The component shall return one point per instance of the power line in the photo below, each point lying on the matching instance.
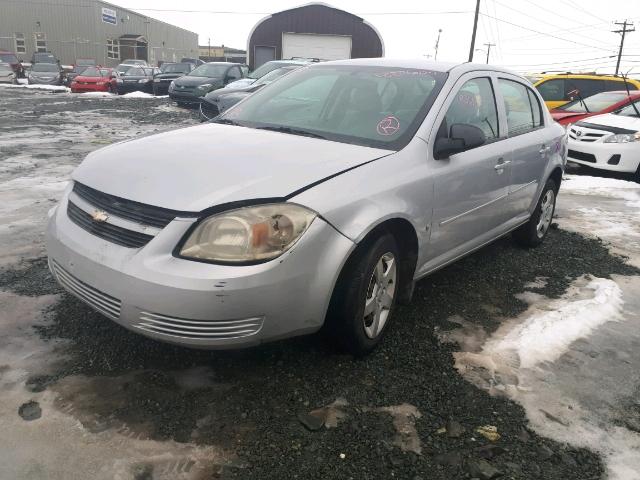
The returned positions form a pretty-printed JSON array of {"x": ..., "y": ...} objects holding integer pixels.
[
  {"x": 545, "y": 34},
  {"x": 580, "y": 8},
  {"x": 528, "y": 15}
]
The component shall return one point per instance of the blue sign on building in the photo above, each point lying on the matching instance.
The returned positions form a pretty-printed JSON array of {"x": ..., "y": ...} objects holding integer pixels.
[{"x": 109, "y": 16}]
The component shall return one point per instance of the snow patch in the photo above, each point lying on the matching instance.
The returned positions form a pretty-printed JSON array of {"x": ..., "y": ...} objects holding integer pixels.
[
  {"x": 546, "y": 334},
  {"x": 142, "y": 95},
  {"x": 604, "y": 187},
  {"x": 52, "y": 88}
]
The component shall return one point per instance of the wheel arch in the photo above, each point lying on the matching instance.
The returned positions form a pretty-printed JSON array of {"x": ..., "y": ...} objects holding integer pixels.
[{"x": 556, "y": 176}]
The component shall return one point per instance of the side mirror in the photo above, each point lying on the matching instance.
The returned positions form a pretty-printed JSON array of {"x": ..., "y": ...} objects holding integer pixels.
[{"x": 462, "y": 137}]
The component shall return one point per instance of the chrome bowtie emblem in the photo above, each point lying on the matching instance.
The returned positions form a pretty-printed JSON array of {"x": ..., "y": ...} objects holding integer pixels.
[{"x": 99, "y": 216}]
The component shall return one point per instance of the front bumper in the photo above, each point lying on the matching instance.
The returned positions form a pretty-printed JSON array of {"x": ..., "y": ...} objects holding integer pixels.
[
  {"x": 134, "y": 87},
  {"x": 90, "y": 87},
  {"x": 187, "y": 97},
  {"x": 196, "y": 304},
  {"x": 161, "y": 88},
  {"x": 38, "y": 81},
  {"x": 616, "y": 157}
]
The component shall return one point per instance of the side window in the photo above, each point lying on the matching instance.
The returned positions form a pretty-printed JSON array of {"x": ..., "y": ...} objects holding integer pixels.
[
  {"x": 521, "y": 106},
  {"x": 474, "y": 104},
  {"x": 618, "y": 85},
  {"x": 245, "y": 70},
  {"x": 552, "y": 90},
  {"x": 234, "y": 74},
  {"x": 536, "y": 108},
  {"x": 582, "y": 86}
]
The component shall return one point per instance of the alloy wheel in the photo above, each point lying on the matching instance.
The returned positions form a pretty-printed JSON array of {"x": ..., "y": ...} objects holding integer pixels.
[
  {"x": 546, "y": 213},
  {"x": 380, "y": 294}
]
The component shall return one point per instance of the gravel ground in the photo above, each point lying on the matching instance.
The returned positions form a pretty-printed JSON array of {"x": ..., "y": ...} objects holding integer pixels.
[{"x": 403, "y": 412}]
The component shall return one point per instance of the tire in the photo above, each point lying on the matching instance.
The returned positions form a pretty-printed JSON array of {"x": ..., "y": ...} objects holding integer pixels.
[
  {"x": 366, "y": 291},
  {"x": 533, "y": 233}
]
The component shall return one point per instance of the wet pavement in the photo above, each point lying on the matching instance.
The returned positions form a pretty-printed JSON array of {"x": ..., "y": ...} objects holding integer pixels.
[{"x": 112, "y": 404}]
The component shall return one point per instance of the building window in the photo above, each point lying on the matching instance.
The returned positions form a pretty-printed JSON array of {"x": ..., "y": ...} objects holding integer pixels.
[
  {"x": 20, "y": 45},
  {"x": 113, "y": 48},
  {"x": 41, "y": 42}
]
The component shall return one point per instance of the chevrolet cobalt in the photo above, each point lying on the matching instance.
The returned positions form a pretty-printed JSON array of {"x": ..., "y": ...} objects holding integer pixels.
[{"x": 317, "y": 201}]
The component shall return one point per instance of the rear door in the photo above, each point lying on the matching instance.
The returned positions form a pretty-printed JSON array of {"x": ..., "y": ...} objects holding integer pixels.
[
  {"x": 470, "y": 188},
  {"x": 528, "y": 140}
]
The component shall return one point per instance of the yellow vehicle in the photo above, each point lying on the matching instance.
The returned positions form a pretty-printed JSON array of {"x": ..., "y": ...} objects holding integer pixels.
[{"x": 558, "y": 89}]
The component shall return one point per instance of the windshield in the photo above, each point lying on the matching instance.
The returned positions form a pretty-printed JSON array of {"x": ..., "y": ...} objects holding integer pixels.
[
  {"x": 594, "y": 103},
  {"x": 8, "y": 57},
  {"x": 629, "y": 111},
  {"x": 94, "y": 72},
  {"x": 45, "y": 67},
  {"x": 371, "y": 106},
  {"x": 44, "y": 56},
  {"x": 271, "y": 76},
  {"x": 123, "y": 68},
  {"x": 208, "y": 70},
  {"x": 138, "y": 72},
  {"x": 175, "y": 68},
  {"x": 266, "y": 68}
]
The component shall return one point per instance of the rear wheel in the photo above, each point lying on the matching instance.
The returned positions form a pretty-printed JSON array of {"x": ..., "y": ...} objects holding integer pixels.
[
  {"x": 532, "y": 233},
  {"x": 365, "y": 295}
]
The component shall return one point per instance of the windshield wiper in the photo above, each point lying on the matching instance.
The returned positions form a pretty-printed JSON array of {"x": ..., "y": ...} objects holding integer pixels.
[{"x": 293, "y": 131}]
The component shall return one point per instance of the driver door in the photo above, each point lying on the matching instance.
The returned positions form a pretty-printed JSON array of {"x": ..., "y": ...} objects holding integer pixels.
[{"x": 470, "y": 188}]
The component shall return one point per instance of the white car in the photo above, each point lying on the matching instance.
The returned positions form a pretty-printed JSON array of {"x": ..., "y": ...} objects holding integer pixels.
[
  {"x": 6, "y": 73},
  {"x": 608, "y": 142}
]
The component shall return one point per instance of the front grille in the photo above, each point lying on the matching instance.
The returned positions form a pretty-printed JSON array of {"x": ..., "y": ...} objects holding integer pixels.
[
  {"x": 103, "y": 303},
  {"x": 198, "y": 329},
  {"x": 585, "y": 136},
  {"x": 585, "y": 157},
  {"x": 108, "y": 231},
  {"x": 136, "y": 212}
]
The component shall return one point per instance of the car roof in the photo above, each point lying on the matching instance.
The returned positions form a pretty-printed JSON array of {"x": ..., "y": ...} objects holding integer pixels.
[
  {"x": 586, "y": 76},
  {"x": 220, "y": 63},
  {"x": 418, "y": 64}
]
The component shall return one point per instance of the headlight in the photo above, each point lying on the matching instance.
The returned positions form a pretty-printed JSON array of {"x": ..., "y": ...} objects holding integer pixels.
[
  {"x": 622, "y": 138},
  {"x": 119, "y": 80},
  {"x": 205, "y": 86},
  {"x": 250, "y": 234},
  {"x": 156, "y": 80},
  {"x": 172, "y": 85},
  {"x": 143, "y": 80}
]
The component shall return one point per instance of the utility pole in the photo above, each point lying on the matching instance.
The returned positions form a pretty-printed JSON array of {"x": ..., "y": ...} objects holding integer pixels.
[
  {"x": 623, "y": 32},
  {"x": 475, "y": 28},
  {"x": 489, "y": 45},
  {"x": 209, "y": 48},
  {"x": 437, "y": 45}
]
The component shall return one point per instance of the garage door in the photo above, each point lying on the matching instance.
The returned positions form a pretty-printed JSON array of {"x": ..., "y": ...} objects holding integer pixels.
[{"x": 324, "y": 47}]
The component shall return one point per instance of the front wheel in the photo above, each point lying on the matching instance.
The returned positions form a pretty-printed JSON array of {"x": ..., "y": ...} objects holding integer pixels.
[
  {"x": 532, "y": 233},
  {"x": 365, "y": 295}
]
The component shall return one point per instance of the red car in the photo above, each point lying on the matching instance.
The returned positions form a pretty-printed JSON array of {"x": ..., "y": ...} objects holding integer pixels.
[
  {"x": 95, "y": 79},
  {"x": 605, "y": 102}
]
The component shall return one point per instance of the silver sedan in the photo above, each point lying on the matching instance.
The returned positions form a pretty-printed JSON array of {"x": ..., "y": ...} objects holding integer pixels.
[{"x": 318, "y": 201}]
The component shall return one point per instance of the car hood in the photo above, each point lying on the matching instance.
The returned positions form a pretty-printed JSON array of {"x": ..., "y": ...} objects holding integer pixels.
[
  {"x": 618, "y": 121},
  {"x": 195, "y": 168},
  {"x": 560, "y": 115},
  {"x": 188, "y": 81},
  {"x": 243, "y": 82},
  {"x": 216, "y": 94}
]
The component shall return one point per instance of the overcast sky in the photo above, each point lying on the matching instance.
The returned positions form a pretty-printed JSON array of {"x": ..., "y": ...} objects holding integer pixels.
[{"x": 530, "y": 35}]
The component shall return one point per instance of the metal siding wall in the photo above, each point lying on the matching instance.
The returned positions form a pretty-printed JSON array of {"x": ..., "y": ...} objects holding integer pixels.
[
  {"x": 76, "y": 30},
  {"x": 317, "y": 19}
]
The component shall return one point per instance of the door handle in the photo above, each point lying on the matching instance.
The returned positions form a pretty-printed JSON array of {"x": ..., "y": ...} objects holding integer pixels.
[
  {"x": 501, "y": 164},
  {"x": 544, "y": 149}
]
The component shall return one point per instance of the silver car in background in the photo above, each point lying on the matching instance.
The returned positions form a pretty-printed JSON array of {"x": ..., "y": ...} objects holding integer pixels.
[
  {"x": 318, "y": 201},
  {"x": 45, "y": 74},
  {"x": 7, "y": 75}
]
